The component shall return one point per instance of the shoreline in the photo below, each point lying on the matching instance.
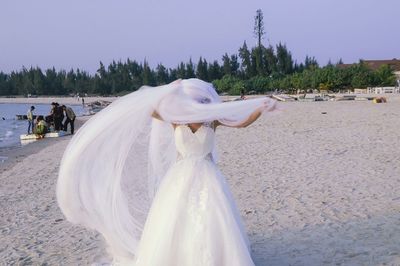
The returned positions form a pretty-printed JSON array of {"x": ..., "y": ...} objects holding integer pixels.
[
  {"x": 48, "y": 100},
  {"x": 15, "y": 154},
  {"x": 73, "y": 101}
]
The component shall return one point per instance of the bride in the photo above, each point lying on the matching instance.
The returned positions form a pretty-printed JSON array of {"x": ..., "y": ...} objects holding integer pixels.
[{"x": 143, "y": 173}]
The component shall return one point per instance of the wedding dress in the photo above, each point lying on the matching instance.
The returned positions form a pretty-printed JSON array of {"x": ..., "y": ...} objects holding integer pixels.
[
  {"x": 120, "y": 175},
  {"x": 193, "y": 219}
]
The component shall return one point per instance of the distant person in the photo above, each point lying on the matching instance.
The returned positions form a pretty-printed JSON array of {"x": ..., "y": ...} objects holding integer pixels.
[
  {"x": 41, "y": 127},
  {"x": 31, "y": 122},
  {"x": 58, "y": 116},
  {"x": 83, "y": 101},
  {"x": 61, "y": 110},
  {"x": 50, "y": 118},
  {"x": 70, "y": 118},
  {"x": 242, "y": 95}
]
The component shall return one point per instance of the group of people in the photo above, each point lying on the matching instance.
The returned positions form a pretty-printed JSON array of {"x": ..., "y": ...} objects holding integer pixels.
[
  {"x": 58, "y": 119},
  {"x": 79, "y": 98},
  {"x": 36, "y": 126}
]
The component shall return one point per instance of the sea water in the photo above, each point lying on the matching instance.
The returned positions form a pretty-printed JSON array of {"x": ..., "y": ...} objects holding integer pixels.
[{"x": 11, "y": 128}]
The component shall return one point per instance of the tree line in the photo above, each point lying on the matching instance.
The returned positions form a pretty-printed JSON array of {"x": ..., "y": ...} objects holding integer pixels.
[{"x": 258, "y": 69}]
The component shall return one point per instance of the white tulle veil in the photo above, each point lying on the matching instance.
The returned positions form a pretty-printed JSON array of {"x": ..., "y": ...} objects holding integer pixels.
[{"x": 114, "y": 163}]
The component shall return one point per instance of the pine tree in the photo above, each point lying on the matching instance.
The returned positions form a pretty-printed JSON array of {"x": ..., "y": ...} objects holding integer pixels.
[
  {"x": 310, "y": 63},
  {"x": 5, "y": 86},
  {"x": 259, "y": 27},
  {"x": 39, "y": 81},
  {"x": 147, "y": 75},
  {"x": 226, "y": 65},
  {"x": 135, "y": 71},
  {"x": 214, "y": 71},
  {"x": 234, "y": 65},
  {"x": 181, "y": 71},
  {"x": 161, "y": 74},
  {"x": 257, "y": 62},
  {"x": 270, "y": 60},
  {"x": 202, "y": 69},
  {"x": 259, "y": 34},
  {"x": 284, "y": 60},
  {"x": 190, "y": 70},
  {"x": 244, "y": 55}
]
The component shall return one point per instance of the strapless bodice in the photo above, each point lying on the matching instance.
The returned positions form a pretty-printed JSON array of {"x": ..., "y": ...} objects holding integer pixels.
[{"x": 194, "y": 145}]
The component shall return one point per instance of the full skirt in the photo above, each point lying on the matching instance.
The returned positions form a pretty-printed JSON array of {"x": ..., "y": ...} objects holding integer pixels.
[{"x": 193, "y": 221}]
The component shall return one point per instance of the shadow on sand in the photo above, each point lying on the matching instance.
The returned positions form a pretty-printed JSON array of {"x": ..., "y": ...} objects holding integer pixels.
[{"x": 370, "y": 241}]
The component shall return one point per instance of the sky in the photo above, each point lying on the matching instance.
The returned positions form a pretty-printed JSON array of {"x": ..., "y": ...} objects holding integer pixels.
[{"x": 81, "y": 33}]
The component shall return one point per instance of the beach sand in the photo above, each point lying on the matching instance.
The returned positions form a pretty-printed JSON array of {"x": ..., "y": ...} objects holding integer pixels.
[{"x": 316, "y": 183}]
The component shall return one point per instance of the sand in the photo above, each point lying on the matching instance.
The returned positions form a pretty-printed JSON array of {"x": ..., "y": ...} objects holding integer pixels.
[{"x": 312, "y": 188}]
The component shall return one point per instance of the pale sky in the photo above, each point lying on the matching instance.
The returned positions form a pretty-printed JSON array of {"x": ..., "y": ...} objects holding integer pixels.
[{"x": 80, "y": 33}]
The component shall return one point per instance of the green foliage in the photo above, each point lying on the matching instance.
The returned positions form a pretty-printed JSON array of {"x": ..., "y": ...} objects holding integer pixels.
[
  {"x": 190, "y": 70},
  {"x": 161, "y": 75},
  {"x": 214, "y": 71},
  {"x": 259, "y": 84},
  {"x": 202, "y": 69},
  {"x": 361, "y": 76},
  {"x": 270, "y": 60},
  {"x": 258, "y": 64},
  {"x": 148, "y": 76},
  {"x": 279, "y": 74},
  {"x": 310, "y": 63},
  {"x": 384, "y": 76},
  {"x": 229, "y": 84},
  {"x": 284, "y": 61},
  {"x": 244, "y": 54},
  {"x": 226, "y": 65}
]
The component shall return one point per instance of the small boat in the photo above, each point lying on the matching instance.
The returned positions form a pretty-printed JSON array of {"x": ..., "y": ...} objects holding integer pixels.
[
  {"x": 24, "y": 117},
  {"x": 346, "y": 98},
  {"x": 283, "y": 98},
  {"x": 47, "y": 135}
]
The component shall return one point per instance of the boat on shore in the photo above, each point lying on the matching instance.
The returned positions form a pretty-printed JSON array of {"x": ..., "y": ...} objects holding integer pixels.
[{"x": 47, "y": 135}]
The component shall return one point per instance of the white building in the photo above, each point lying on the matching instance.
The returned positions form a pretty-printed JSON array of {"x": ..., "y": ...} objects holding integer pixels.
[
  {"x": 394, "y": 64},
  {"x": 381, "y": 90},
  {"x": 397, "y": 73}
]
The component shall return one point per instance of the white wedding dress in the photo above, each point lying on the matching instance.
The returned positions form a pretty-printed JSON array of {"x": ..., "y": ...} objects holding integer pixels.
[
  {"x": 193, "y": 219},
  {"x": 120, "y": 175}
]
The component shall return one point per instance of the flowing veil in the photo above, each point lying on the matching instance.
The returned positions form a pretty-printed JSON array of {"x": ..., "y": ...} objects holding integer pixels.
[{"x": 112, "y": 166}]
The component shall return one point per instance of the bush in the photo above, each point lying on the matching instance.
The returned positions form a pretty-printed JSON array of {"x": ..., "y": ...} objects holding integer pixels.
[{"x": 229, "y": 84}]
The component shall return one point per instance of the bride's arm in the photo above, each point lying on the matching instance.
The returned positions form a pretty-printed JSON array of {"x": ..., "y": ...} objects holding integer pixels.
[{"x": 250, "y": 120}]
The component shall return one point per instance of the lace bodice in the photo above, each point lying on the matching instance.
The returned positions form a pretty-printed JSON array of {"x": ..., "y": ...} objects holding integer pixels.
[{"x": 199, "y": 144}]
